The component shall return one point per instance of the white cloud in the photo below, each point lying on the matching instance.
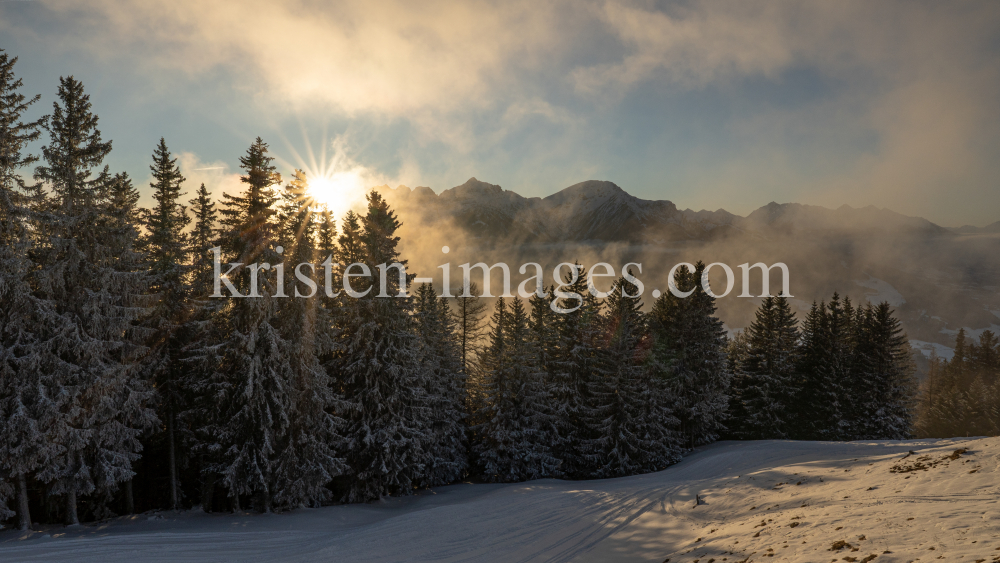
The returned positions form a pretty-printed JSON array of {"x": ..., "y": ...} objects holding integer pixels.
[{"x": 921, "y": 79}]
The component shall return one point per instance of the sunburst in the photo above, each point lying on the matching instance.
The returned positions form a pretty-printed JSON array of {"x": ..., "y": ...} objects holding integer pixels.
[
  {"x": 333, "y": 181},
  {"x": 338, "y": 192}
]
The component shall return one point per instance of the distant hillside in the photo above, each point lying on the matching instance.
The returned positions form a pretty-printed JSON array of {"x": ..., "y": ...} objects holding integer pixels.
[
  {"x": 602, "y": 211},
  {"x": 938, "y": 279}
]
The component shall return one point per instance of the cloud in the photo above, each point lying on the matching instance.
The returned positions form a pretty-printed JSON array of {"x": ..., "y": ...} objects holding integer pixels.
[
  {"x": 906, "y": 110},
  {"x": 697, "y": 45},
  {"x": 217, "y": 176}
]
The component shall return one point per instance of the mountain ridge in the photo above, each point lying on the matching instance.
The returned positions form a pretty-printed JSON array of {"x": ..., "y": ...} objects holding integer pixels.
[{"x": 600, "y": 210}]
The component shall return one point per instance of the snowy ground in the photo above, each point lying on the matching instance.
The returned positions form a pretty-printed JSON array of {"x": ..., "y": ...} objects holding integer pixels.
[{"x": 762, "y": 501}]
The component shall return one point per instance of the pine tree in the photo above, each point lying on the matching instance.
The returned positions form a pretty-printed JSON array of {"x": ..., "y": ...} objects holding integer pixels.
[
  {"x": 88, "y": 283},
  {"x": 985, "y": 356},
  {"x": 447, "y": 452},
  {"x": 168, "y": 269},
  {"x": 822, "y": 410},
  {"x": 961, "y": 396},
  {"x": 200, "y": 355},
  {"x": 388, "y": 425},
  {"x": 634, "y": 425},
  {"x": 470, "y": 318},
  {"x": 573, "y": 367},
  {"x": 200, "y": 240},
  {"x": 24, "y": 408},
  {"x": 122, "y": 237},
  {"x": 765, "y": 386},
  {"x": 542, "y": 330},
  {"x": 690, "y": 341},
  {"x": 513, "y": 438},
  {"x": 308, "y": 456},
  {"x": 250, "y": 382},
  {"x": 881, "y": 377}
]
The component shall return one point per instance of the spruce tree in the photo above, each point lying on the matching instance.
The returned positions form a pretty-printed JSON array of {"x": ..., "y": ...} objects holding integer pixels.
[
  {"x": 634, "y": 425},
  {"x": 961, "y": 396},
  {"x": 690, "y": 342},
  {"x": 388, "y": 425},
  {"x": 200, "y": 354},
  {"x": 822, "y": 396},
  {"x": 167, "y": 261},
  {"x": 250, "y": 382},
  {"x": 447, "y": 453},
  {"x": 881, "y": 377},
  {"x": 25, "y": 410},
  {"x": 985, "y": 356},
  {"x": 765, "y": 385},
  {"x": 200, "y": 240},
  {"x": 513, "y": 439},
  {"x": 573, "y": 365},
  {"x": 82, "y": 274},
  {"x": 308, "y": 456},
  {"x": 542, "y": 330},
  {"x": 737, "y": 352},
  {"x": 470, "y": 319}
]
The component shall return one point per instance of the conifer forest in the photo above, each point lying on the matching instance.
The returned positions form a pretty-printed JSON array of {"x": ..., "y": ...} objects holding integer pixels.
[{"x": 125, "y": 387}]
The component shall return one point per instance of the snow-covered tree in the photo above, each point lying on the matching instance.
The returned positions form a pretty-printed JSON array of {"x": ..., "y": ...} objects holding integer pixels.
[
  {"x": 200, "y": 354},
  {"x": 250, "y": 384},
  {"x": 882, "y": 380},
  {"x": 470, "y": 318},
  {"x": 762, "y": 393},
  {"x": 388, "y": 425},
  {"x": 25, "y": 410},
  {"x": 447, "y": 453},
  {"x": 513, "y": 440},
  {"x": 200, "y": 241},
  {"x": 824, "y": 368},
  {"x": 167, "y": 260},
  {"x": 542, "y": 331},
  {"x": 634, "y": 426},
  {"x": 690, "y": 341},
  {"x": 308, "y": 458},
  {"x": 83, "y": 274},
  {"x": 572, "y": 372}
]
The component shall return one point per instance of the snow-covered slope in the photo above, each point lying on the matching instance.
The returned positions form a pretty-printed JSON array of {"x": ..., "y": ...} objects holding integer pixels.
[{"x": 760, "y": 501}]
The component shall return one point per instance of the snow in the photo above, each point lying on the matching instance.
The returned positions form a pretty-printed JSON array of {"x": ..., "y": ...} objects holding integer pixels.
[
  {"x": 972, "y": 333},
  {"x": 834, "y": 491},
  {"x": 925, "y": 348},
  {"x": 882, "y": 292}
]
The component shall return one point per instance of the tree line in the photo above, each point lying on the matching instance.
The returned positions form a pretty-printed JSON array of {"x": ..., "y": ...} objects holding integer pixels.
[
  {"x": 125, "y": 387},
  {"x": 961, "y": 395},
  {"x": 845, "y": 374}
]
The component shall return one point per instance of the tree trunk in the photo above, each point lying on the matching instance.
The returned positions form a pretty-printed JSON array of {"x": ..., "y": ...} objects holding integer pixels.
[
  {"x": 208, "y": 492},
  {"x": 236, "y": 503},
  {"x": 71, "y": 517},
  {"x": 129, "y": 499},
  {"x": 173, "y": 461},
  {"x": 22, "y": 502}
]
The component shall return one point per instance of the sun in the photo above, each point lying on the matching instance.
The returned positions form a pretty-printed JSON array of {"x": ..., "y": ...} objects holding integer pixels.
[{"x": 339, "y": 191}]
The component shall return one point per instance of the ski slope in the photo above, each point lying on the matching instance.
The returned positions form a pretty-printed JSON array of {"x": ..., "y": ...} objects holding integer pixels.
[{"x": 761, "y": 501}]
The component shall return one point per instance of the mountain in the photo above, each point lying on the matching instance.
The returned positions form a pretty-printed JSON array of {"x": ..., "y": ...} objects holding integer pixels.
[
  {"x": 969, "y": 229},
  {"x": 795, "y": 217},
  {"x": 602, "y": 211},
  {"x": 937, "y": 279},
  {"x": 589, "y": 211}
]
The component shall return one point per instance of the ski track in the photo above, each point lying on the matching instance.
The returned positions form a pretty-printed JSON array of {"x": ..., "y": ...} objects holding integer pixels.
[{"x": 640, "y": 518}]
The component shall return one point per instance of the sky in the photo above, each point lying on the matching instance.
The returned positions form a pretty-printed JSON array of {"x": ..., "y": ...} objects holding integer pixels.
[{"x": 707, "y": 104}]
